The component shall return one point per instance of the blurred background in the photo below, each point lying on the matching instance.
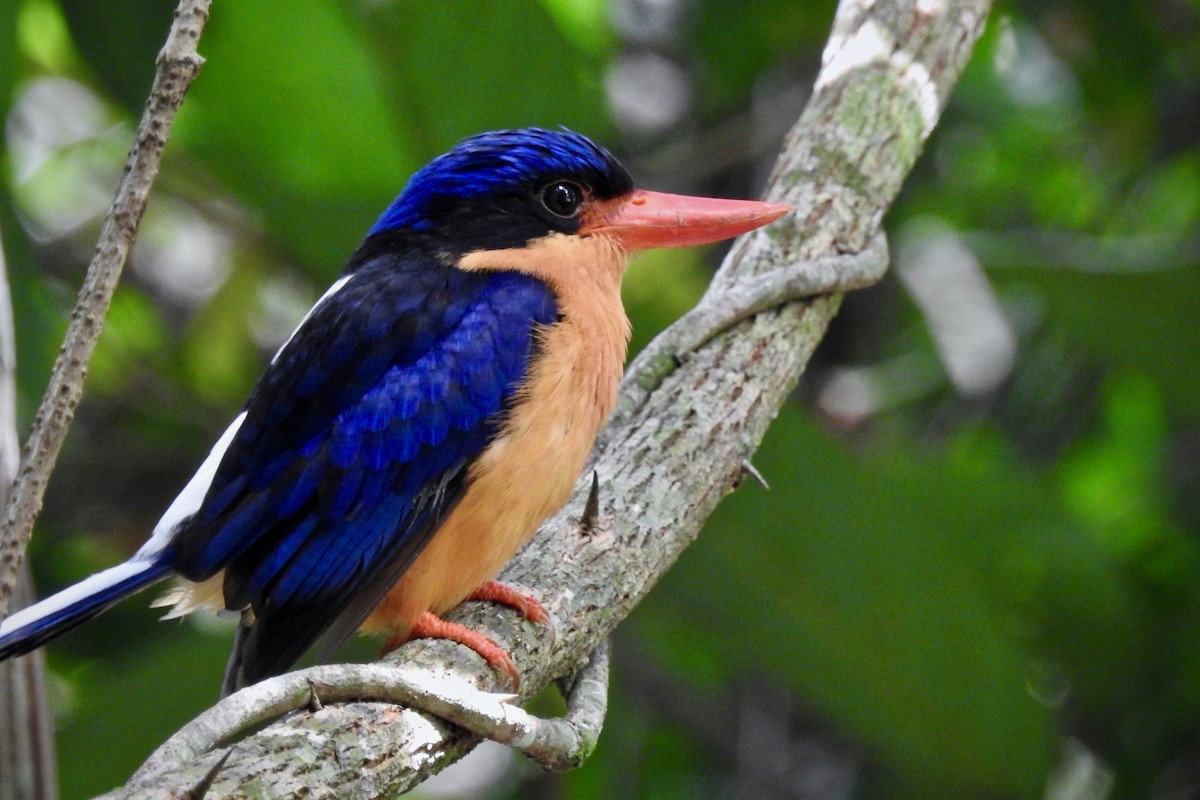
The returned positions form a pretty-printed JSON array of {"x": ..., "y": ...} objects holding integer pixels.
[{"x": 976, "y": 571}]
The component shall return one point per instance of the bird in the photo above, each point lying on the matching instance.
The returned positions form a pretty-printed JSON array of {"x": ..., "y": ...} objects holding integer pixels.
[{"x": 431, "y": 410}]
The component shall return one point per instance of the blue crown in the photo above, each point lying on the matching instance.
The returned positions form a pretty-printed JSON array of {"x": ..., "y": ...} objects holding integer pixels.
[{"x": 502, "y": 162}]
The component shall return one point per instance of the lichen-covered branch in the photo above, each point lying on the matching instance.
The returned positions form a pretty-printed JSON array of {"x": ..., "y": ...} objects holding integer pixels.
[
  {"x": 178, "y": 64},
  {"x": 557, "y": 744},
  {"x": 675, "y": 450}
]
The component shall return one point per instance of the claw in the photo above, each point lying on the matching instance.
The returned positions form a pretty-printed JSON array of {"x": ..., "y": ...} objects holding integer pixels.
[
  {"x": 496, "y": 592},
  {"x": 431, "y": 626}
]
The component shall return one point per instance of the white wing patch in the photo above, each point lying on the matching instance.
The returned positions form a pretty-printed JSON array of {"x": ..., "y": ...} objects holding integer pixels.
[
  {"x": 330, "y": 292},
  {"x": 189, "y": 500}
]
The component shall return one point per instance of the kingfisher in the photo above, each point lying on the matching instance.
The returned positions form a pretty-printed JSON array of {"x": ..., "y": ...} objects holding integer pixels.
[{"x": 431, "y": 410}]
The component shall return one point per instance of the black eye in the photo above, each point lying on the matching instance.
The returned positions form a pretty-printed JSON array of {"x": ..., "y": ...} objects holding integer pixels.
[{"x": 562, "y": 199}]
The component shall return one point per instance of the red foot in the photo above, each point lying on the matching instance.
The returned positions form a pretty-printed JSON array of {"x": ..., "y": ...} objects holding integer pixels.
[
  {"x": 496, "y": 592},
  {"x": 430, "y": 626}
]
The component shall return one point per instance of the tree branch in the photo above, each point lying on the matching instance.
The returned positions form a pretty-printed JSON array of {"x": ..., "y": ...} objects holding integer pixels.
[
  {"x": 178, "y": 64},
  {"x": 27, "y": 769},
  {"x": 557, "y": 744},
  {"x": 676, "y": 447}
]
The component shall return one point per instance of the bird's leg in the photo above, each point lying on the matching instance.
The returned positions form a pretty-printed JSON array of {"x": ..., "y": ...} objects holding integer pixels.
[{"x": 496, "y": 592}]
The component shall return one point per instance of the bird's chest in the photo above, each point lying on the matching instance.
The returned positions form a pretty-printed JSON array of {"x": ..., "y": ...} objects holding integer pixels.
[
  {"x": 542, "y": 449},
  {"x": 524, "y": 475}
]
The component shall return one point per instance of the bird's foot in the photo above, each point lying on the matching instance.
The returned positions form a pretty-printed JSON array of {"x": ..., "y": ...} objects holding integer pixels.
[
  {"x": 496, "y": 592},
  {"x": 431, "y": 626}
]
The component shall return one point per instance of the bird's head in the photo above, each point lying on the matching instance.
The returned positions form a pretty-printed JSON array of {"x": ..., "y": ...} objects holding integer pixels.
[{"x": 506, "y": 190}]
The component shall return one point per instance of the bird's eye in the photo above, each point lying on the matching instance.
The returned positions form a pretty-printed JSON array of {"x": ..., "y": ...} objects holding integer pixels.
[{"x": 562, "y": 199}]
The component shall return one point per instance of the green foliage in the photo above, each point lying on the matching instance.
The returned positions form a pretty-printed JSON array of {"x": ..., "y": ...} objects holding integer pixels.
[{"x": 951, "y": 582}]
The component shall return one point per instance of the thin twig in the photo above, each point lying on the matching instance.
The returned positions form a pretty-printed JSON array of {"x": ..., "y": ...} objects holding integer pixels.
[
  {"x": 200, "y": 790},
  {"x": 567, "y": 742},
  {"x": 178, "y": 64}
]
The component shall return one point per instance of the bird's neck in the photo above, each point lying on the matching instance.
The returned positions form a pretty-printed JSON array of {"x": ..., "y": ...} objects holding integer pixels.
[{"x": 585, "y": 276}]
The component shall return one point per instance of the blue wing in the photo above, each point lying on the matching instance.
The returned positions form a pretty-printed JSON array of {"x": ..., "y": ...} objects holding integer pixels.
[{"x": 355, "y": 444}]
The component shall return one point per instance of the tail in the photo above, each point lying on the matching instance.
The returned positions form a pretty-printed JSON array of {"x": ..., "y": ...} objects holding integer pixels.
[{"x": 30, "y": 628}]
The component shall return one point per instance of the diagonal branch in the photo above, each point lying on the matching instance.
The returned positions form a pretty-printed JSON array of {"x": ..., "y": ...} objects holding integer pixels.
[
  {"x": 178, "y": 64},
  {"x": 682, "y": 433}
]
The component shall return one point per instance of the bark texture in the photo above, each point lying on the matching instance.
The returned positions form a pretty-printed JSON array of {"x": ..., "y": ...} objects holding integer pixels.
[{"x": 678, "y": 441}]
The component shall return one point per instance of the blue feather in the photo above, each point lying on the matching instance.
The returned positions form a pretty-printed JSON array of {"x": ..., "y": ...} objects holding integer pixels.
[
  {"x": 401, "y": 441},
  {"x": 381, "y": 428},
  {"x": 300, "y": 490},
  {"x": 279, "y": 556},
  {"x": 32, "y": 627}
]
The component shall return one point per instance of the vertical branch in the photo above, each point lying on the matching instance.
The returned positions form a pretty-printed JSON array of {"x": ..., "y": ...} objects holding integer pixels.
[
  {"x": 26, "y": 735},
  {"x": 178, "y": 64},
  {"x": 27, "y": 763}
]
